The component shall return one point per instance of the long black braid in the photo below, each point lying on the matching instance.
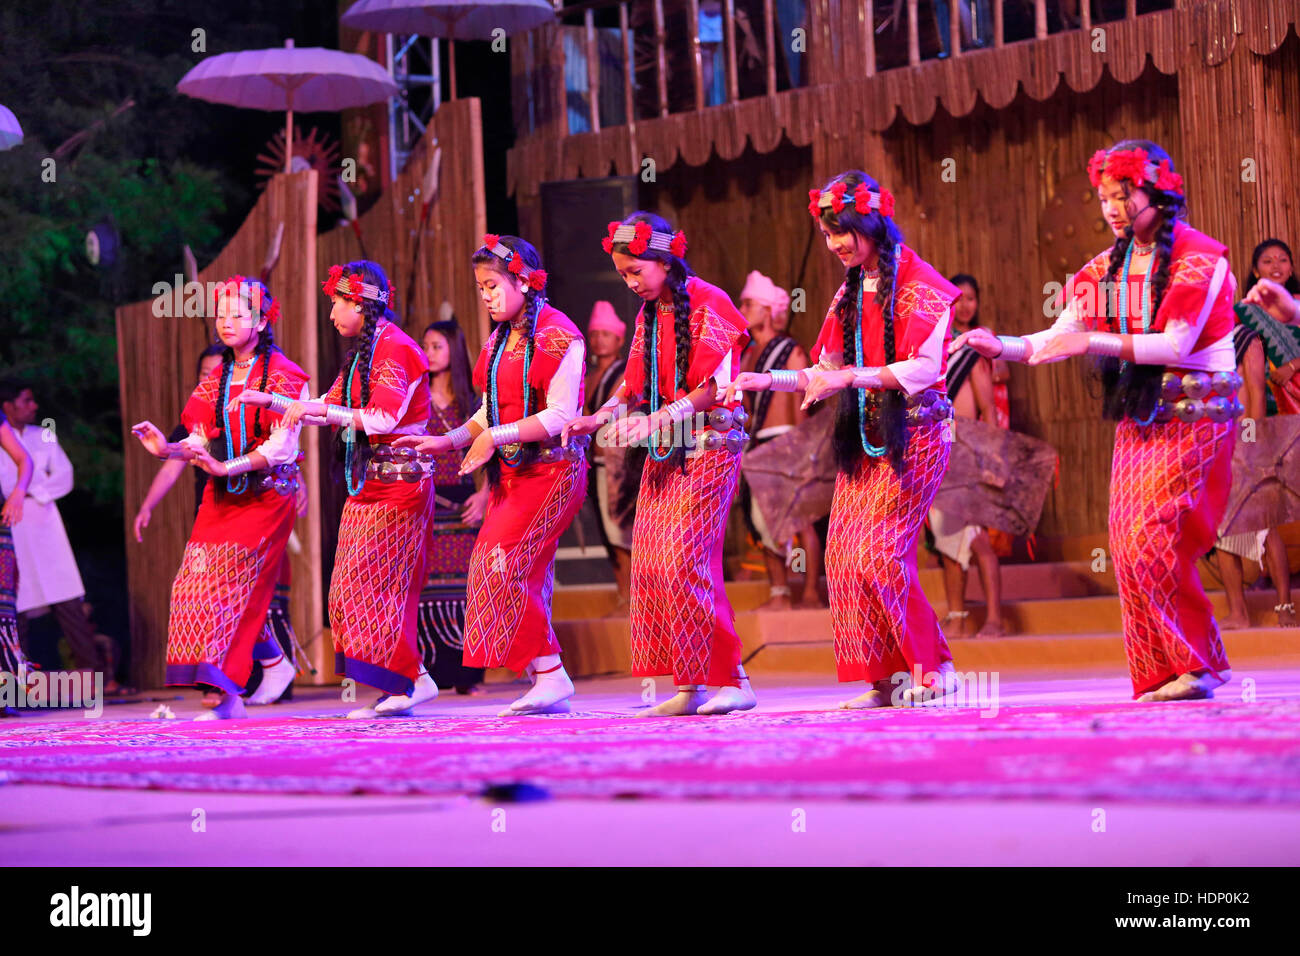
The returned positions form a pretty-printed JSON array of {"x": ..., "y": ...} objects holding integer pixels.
[
  {"x": 262, "y": 352},
  {"x": 891, "y": 419},
  {"x": 364, "y": 346},
  {"x": 534, "y": 301},
  {"x": 678, "y": 272},
  {"x": 1134, "y": 391}
]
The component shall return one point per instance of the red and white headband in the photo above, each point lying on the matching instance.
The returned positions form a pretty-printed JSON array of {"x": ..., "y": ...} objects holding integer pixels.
[
  {"x": 1135, "y": 166},
  {"x": 536, "y": 278},
  {"x": 864, "y": 200},
  {"x": 641, "y": 236},
  {"x": 355, "y": 288}
]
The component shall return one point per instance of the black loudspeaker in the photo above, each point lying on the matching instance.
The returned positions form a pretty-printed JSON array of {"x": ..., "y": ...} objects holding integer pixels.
[{"x": 575, "y": 216}]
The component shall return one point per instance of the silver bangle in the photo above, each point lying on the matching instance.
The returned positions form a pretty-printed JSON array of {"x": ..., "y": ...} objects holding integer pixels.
[
  {"x": 338, "y": 415},
  {"x": 504, "y": 434},
  {"x": 459, "y": 436},
  {"x": 866, "y": 378},
  {"x": 1105, "y": 343},
  {"x": 1014, "y": 348},
  {"x": 680, "y": 409},
  {"x": 237, "y": 466},
  {"x": 784, "y": 379},
  {"x": 280, "y": 403}
]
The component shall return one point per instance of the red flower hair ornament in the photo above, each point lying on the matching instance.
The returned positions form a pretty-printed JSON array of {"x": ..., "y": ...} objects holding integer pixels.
[
  {"x": 1134, "y": 165},
  {"x": 534, "y": 278},
  {"x": 864, "y": 200},
  {"x": 638, "y": 237},
  {"x": 355, "y": 288},
  {"x": 252, "y": 291}
]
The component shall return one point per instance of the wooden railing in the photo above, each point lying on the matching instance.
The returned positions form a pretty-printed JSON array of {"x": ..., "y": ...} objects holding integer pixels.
[{"x": 839, "y": 41}]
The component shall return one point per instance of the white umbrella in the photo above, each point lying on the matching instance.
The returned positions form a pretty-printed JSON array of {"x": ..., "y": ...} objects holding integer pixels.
[
  {"x": 308, "y": 79},
  {"x": 450, "y": 19},
  {"x": 11, "y": 134}
]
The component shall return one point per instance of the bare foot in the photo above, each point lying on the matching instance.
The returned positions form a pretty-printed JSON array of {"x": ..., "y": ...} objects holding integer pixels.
[
  {"x": 946, "y": 684},
  {"x": 1234, "y": 622},
  {"x": 1285, "y": 615},
  {"x": 1191, "y": 686},
  {"x": 954, "y": 623},
  {"x": 779, "y": 601},
  {"x": 619, "y": 610},
  {"x": 814, "y": 603},
  {"x": 682, "y": 704},
  {"x": 877, "y": 696},
  {"x": 992, "y": 628},
  {"x": 729, "y": 698},
  {"x": 229, "y": 707}
]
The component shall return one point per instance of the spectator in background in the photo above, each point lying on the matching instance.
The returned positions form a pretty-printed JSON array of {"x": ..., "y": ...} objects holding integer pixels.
[
  {"x": 209, "y": 362},
  {"x": 772, "y": 414},
  {"x": 47, "y": 569},
  {"x": 12, "y": 661},
  {"x": 606, "y": 335},
  {"x": 983, "y": 23},
  {"x": 970, "y": 389},
  {"x": 1265, "y": 544}
]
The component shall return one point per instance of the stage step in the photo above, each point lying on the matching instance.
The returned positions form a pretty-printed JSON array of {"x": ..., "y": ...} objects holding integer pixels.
[{"x": 1064, "y": 633}]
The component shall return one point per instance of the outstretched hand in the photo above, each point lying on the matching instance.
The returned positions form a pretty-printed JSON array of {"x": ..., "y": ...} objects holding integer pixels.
[{"x": 980, "y": 339}]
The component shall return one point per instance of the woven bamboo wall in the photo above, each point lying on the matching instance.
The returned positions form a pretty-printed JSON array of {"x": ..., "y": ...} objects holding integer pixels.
[
  {"x": 441, "y": 267},
  {"x": 156, "y": 359},
  {"x": 1020, "y": 212}
]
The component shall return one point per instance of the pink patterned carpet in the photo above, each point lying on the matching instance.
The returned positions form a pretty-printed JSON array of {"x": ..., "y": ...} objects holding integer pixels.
[{"x": 1223, "y": 752}]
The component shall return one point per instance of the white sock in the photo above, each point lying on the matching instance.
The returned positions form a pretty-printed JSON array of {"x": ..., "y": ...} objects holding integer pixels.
[
  {"x": 425, "y": 690},
  {"x": 550, "y": 691},
  {"x": 275, "y": 678}
]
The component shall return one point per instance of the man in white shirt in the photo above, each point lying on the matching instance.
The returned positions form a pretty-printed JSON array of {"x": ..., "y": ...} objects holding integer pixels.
[{"x": 47, "y": 570}]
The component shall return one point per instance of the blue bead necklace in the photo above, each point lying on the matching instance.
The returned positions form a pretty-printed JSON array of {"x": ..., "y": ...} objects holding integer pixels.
[
  {"x": 875, "y": 451},
  {"x": 495, "y": 403},
  {"x": 1146, "y": 310},
  {"x": 655, "y": 401},
  {"x": 239, "y": 484}
]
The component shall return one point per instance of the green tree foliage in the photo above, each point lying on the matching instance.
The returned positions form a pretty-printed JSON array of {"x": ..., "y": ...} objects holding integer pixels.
[{"x": 94, "y": 86}]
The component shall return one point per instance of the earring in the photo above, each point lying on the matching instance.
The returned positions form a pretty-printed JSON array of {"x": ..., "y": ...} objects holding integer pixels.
[{"x": 357, "y": 308}]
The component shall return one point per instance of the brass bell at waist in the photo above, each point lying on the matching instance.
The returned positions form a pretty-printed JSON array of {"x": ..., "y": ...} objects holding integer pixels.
[{"x": 383, "y": 453}]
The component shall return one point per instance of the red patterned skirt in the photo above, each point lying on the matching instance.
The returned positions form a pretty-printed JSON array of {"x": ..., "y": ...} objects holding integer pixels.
[
  {"x": 224, "y": 587},
  {"x": 1169, "y": 487},
  {"x": 682, "y": 623},
  {"x": 512, "y": 569},
  {"x": 882, "y": 623},
  {"x": 375, "y": 590}
]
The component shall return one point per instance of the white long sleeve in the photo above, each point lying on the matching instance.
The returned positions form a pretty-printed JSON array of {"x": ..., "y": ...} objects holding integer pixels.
[
  {"x": 1174, "y": 345},
  {"x": 281, "y": 446},
  {"x": 564, "y": 394},
  {"x": 1170, "y": 347},
  {"x": 480, "y": 417},
  {"x": 377, "y": 422},
  {"x": 915, "y": 374}
]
